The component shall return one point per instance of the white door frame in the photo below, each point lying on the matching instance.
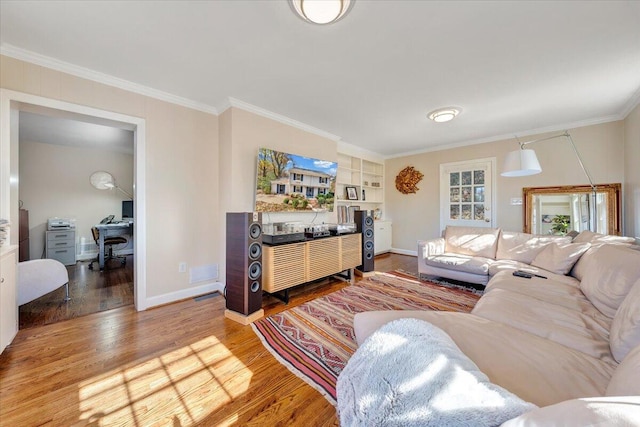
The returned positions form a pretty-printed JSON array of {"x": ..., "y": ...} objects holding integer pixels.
[
  {"x": 10, "y": 105},
  {"x": 493, "y": 177}
]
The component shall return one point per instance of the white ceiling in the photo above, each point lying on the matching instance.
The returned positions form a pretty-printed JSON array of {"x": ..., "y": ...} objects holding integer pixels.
[
  {"x": 73, "y": 132},
  {"x": 370, "y": 79}
]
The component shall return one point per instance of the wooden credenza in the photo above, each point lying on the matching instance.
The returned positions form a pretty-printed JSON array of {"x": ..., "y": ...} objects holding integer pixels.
[
  {"x": 285, "y": 266},
  {"x": 23, "y": 236}
]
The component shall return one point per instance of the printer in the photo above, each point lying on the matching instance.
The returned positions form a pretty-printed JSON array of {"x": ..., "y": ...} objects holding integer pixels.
[{"x": 60, "y": 224}]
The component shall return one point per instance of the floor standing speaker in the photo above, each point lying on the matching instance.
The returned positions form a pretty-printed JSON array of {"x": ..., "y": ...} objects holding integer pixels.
[
  {"x": 244, "y": 262},
  {"x": 364, "y": 225}
]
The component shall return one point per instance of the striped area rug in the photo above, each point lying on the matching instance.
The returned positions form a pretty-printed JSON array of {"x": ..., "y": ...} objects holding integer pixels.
[{"x": 316, "y": 339}]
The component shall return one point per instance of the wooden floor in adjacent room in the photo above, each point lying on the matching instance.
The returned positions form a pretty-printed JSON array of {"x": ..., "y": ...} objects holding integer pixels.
[
  {"x": 182, "y": 364},
  {"x": 91, "y": 291}
]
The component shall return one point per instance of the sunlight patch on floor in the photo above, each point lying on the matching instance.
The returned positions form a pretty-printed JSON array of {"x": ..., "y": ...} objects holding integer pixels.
[{"x": 175, "y": 388}]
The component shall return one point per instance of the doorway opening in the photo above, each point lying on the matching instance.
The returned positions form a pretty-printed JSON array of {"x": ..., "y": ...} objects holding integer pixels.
[{"x": 109, "y": 286}]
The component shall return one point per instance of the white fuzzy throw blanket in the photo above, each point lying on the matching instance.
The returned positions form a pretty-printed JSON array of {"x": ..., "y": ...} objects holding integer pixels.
[{"x": 411, "y": 373}]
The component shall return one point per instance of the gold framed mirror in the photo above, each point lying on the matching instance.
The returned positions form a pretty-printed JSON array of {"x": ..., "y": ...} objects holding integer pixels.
[{"x": 560, "y": 209}]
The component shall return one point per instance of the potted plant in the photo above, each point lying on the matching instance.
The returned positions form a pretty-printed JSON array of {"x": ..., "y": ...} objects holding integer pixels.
[{"x": 560, "y": 224}]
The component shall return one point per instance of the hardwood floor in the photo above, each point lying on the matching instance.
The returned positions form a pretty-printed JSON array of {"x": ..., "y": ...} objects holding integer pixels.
[
  {"x": 91, "y": 291},
  {"x": 182, "y": 364}
]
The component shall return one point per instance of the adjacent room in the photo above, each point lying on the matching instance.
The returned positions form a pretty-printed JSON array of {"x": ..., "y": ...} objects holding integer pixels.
[
  {"x": 60, "y": 207},
  {"x": 319, "y": 212}
]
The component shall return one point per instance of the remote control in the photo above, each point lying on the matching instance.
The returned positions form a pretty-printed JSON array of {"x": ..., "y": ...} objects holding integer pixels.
[{"x": 522, "y": 274}]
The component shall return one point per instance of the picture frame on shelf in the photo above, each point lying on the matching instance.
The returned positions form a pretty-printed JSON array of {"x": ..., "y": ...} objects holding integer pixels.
[{"x": 352, "y": 193}]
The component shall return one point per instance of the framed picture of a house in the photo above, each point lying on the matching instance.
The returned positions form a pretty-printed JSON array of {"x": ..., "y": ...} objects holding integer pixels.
[
  {"x": 352, "y": 193},
  {"x": 287, "y": 182}
]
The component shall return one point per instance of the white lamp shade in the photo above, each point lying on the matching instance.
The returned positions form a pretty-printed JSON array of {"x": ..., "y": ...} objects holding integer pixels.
[
  {"x": 521, "y": 163},
  {"x": 102, "y": 180}
]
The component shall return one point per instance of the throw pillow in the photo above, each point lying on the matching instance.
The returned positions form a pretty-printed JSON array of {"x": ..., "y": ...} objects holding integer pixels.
[
  {"x": 626, "y": 378},
  {"x": 524, "y": 247},
  {"x": 609, "y": 276},
  {"x": 625, "y": 329},
  {"x": 585, "y": 237},
  {"x": 579, "y": 269},
  {"x": 559, "y": 257}
]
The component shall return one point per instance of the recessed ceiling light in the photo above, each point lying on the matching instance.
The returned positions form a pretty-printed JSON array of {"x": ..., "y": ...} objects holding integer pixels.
[
  {"x": 321, "y": 12},
  {"x": 444, "y": 114}
]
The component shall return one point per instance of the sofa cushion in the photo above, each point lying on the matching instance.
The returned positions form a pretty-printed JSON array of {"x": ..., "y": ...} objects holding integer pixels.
[
  {"x": 560, "y": 257},
  {"x": 574, "y": 323},
  {"x": 510, "y": 266},
  {"x": 524, "y": 247},
  {"x": 590, "y": 411},
  {"x": 429, "y": 382},
  {"x": 625, "y": 381},
  {"x": 474, "y": 241},
  {"x": 466, "y": 263},
  {"x": 557, "y": 288},
  {"x": 625, "y": 329},
  {"x": 507, "y": 265},
  {"x": 609, "y": 276},
  {"x": 587, "y": 236},
  {"x": 536, "y": 369}
]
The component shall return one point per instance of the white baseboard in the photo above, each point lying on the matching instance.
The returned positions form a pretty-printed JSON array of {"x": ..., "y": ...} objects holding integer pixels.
[
  {"x": 207, "y": 288},
  {"x": 404, "y": 252}
]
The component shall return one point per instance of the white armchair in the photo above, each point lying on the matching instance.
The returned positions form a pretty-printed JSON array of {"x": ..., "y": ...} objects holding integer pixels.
[{"x": 39, "y": 277}]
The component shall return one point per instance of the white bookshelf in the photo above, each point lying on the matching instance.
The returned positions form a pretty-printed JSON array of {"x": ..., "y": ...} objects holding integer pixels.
[{"x": 366, "y": 175}]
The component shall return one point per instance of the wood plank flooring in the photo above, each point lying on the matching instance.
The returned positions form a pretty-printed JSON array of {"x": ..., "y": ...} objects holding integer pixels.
[
  {"x": 91, "y": 291},
  {"x": 183, "y": 364}
]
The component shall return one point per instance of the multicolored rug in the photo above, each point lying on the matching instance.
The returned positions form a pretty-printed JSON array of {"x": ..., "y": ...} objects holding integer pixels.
[{"x": 315, "y": 340}]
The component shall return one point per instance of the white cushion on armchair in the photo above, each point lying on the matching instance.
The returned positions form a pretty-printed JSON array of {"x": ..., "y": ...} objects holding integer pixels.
[{"x": 39, "y": 277}]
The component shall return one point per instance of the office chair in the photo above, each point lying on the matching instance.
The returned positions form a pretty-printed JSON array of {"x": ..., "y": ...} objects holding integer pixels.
[{"x": 108, "y": 242}]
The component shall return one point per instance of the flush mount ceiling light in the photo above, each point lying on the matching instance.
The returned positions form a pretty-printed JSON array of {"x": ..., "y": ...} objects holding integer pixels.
[
  {"x": 444, "y": 114},
  {"x": 321, "y": 12}
]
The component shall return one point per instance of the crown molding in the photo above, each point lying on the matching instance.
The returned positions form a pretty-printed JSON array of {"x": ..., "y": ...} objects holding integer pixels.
[
  {"x": 236, "y": 103},
  {"x": 633, "y": 102},
  {"x": 86, "y": 73},
  {"x": 554, "y": 128}
]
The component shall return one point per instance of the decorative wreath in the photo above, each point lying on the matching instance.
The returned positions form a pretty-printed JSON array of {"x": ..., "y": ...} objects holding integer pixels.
[{"x": 407, "y": 180}]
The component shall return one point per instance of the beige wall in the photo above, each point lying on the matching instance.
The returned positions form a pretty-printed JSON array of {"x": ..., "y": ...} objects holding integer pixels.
[
  {"x": 631, "y": 188},
  {"x": 182, "y": 197},
  {"x": 54, "y": 182},
  {"x": 200, "y": 166},
  {"x": 416, "y": 216},
  {"x": 242, "y": 133}
]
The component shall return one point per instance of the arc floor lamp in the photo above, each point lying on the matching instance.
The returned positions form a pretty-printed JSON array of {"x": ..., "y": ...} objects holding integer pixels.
[
  {"x": 105, "y": 181},
  {"x": 524, "y": 162}
]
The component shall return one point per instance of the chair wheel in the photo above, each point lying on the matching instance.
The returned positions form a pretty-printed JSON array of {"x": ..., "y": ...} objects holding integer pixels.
[{"x": 90, "y": 266}]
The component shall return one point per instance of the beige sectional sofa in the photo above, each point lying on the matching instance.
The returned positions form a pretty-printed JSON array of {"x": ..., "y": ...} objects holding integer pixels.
[
  {"x": 557, "y": 342},
  {"x": 474, "y": 254}
]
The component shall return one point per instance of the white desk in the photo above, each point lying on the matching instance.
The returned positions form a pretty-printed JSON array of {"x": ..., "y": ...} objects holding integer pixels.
[{"x": 111, "y": 230}]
